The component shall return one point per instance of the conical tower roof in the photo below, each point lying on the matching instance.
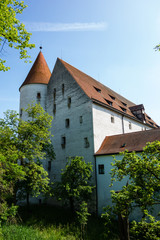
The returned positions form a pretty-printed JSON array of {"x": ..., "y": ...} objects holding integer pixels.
[{"x": 39, "y": 72}]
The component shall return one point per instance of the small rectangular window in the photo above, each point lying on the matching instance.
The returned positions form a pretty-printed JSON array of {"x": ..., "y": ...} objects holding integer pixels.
[
  {"x": 54, "y": 108},
  {"x": 21, "y": 111},
  {"x": 101, "y": 168},
  {"x": 63, "y": 141},
  {"x": 112, "y": 119},
  {"x": 130, "y": 125},
  {"x": 38, "y": 95},
  {"x": 81, "y": 119},
  {"x": 63, "y": 88},
  {"x": 86, "y": 143},
  {"x": 54, "y": 94},
  {"x": 49, "y": 165},
  {"x": 67, "y": 122},
  {"x": 69, "y": 102}
]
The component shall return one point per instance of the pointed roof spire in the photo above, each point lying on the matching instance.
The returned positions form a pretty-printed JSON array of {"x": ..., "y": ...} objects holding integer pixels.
[{"x": 39, "y": 72}]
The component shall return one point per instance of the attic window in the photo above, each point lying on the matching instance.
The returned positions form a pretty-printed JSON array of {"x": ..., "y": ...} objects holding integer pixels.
[
  {"x": 150, "y": 122},
  {"x": 38, "y": 95},
  {"x": 109, "y": 102},
  {"x": 148, "y": 117},
  {"x": 112, "y": 97},
  {"x": 98, "y": 89},
  {"x": 123, "y": 145},
  {"x": 123, "y": 109},
  {"x": 124, "y": 104}
]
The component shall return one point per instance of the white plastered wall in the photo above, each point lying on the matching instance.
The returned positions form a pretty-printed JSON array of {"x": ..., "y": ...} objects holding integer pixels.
[
  {"x": 28, "y": 95},
  {"x": 102, "y": 125}
]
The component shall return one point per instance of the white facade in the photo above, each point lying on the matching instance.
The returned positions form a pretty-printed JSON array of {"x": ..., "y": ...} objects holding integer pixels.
[
  {"x": 32, "y": 93},
  {"x": 107, "y": 122}
]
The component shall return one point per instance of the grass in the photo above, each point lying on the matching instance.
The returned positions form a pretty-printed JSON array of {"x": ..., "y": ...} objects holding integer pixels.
[{"x": 42, "y": 222}]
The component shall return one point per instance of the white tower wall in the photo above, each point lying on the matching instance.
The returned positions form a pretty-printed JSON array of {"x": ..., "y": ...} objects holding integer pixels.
[{"x": 32, "y": 93}]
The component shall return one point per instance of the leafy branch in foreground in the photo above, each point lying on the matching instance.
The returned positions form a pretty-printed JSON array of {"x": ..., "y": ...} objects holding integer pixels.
[
  {"x": 12, "y": 31},
  {"x": 22, "y": 149},
  {"x": 141, "y": 191}
]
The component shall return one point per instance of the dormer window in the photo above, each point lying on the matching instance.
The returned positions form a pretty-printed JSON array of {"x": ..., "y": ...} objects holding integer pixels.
[
  {"x": 112, "y": 97},
  {"x": 123, "y": 109},
  {"x": 109, "y": 102},
  {"x": 124, "y": 104},
  {"x": 97, "y": 89}
]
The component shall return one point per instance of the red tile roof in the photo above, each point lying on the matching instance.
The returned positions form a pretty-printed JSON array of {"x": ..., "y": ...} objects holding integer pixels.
[
  {"x": 39, "y": 72},
  {"x": 101, "y": 94},
  {"x": 134, "y": 141}
]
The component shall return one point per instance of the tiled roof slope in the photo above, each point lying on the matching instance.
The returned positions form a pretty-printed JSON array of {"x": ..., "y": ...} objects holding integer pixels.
[
  {"x": 39, "y": 72},
  {"x": 102, "y": 94},
  {"x": 134, "y": 141}
]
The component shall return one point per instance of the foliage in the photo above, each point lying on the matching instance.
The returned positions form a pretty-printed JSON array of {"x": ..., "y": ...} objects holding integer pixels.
[
  {"x": 146, "y": 229},
  {"x": 51, "y": 223},
  {"x": 142, "y": 174},
  {"x": 74, "y": 186},
  {"x": 12, "y": 31},
  {"x": 22, "y": 145},
  {"x": 82, "y": 217}
]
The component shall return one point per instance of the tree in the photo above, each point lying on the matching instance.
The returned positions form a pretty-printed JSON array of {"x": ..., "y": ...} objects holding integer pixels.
[
  {"x": 74, "y": 187},
  {"x": 142, "y": 174},
  {"x": 12, "y": 31},
  {"x": 23, "y": 145}
]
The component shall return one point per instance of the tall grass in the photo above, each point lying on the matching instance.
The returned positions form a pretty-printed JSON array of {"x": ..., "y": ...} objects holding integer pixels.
[{"x": 42, "y": 222}]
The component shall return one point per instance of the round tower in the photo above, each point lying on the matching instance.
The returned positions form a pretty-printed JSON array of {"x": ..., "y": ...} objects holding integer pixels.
[{"x": 34, "y": 88}]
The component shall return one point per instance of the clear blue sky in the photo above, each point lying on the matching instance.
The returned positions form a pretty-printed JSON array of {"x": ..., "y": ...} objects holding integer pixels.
[{"x": 110, "y": 40}]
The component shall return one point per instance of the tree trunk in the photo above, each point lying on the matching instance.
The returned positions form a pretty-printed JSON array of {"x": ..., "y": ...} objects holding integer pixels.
[
  {"x": 27, "y": 200},
  {"x": 123, "y": 227},
  {"x": 71, "y": 204}
]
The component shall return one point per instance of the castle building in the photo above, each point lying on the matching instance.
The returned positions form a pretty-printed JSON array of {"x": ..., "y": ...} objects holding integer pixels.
[{"x": 84, "y": 111}]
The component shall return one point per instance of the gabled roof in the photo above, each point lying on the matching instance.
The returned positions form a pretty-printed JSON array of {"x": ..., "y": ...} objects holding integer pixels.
[
  {"x": 103, "y": 95},
  {"x": 134, "y": 141},
  {"x": 39, "y": 72}
]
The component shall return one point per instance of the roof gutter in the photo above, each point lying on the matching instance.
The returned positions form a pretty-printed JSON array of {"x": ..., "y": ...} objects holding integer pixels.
[{"x": 116, "y": 110}]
